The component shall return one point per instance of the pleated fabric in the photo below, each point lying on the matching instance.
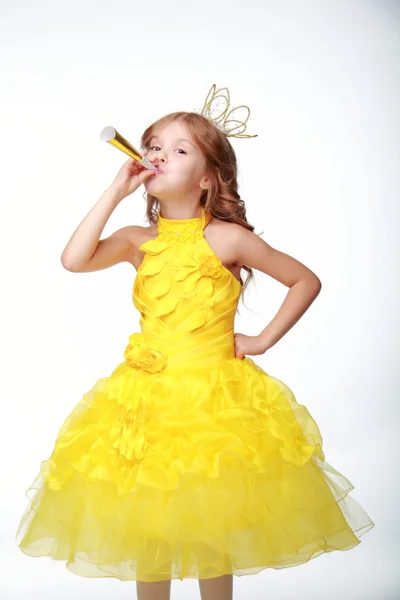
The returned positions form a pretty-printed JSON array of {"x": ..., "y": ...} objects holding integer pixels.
[{"x": 186, "y": 462}]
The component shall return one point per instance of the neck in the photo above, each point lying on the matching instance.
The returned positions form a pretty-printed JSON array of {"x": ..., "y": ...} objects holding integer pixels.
[{"x": 180, "y": 213}]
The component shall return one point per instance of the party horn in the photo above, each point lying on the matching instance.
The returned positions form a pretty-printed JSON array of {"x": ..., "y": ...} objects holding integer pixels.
[{"x": 110, "y": 134}]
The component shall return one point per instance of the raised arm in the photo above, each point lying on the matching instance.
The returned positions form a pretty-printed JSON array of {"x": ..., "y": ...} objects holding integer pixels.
[{"x": 85, "y": 251}]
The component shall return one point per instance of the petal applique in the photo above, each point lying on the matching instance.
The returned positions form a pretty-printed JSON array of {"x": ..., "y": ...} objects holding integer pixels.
[
  {"x": 189, "y": 295},
  {"x": 165, "y": 306},
  {"x": 207, "y": 288},
  {"x": 183, "y": 272},
  {"x": 185, "y": 260},
  {"x": 160, "y": 288},
  {"x": 183, "y": 265},
  {"x": 190, "y": 283},
  {"x": 151, "y": 267},
  {"x": 211, "y": 300},
  {"x": 196, "y": 320},
  {"x": 153, "y": 246}
]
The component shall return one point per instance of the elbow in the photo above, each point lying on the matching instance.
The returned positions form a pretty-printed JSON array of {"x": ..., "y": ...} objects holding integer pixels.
[
  {"x": 316, "y": 286},
  {"x": 312, "y": 284},
  {"x": 68, "y": 266}
]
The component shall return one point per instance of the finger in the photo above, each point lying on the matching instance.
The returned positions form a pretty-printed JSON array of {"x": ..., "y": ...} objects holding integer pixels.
[
  {"x": 136, "y": 169},
  {"x": 146, "y": 174}
]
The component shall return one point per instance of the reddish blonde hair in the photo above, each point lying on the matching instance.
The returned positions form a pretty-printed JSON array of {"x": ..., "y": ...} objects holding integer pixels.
[{"x": 222, "y": 199}]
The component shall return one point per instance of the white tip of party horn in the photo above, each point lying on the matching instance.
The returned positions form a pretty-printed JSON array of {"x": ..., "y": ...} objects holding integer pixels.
[
  {"x": 146, "y": 163},
  {"x": 107, "y": 134}
]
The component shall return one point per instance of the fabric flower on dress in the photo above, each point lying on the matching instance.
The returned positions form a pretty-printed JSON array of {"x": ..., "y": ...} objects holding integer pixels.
[
  {"x": 210, "y": 265},
  {"x": 205, "y": 267},
  {"x": 139, "y": 354}
]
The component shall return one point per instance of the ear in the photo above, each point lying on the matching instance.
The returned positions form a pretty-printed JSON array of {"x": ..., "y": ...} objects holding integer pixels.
[{"x": 205, "y": 182}]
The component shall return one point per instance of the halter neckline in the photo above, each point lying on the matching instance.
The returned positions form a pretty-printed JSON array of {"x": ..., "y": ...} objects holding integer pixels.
[{"x": 200, "y": 222}]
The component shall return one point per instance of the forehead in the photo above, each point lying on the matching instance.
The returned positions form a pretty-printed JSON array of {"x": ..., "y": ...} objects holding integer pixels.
[{"x": 174, "y": 131}]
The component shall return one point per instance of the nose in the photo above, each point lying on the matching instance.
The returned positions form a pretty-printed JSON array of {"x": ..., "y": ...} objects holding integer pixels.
[
  {"x": 156, "y": 162},
  {"x": 158, "y": 158}
]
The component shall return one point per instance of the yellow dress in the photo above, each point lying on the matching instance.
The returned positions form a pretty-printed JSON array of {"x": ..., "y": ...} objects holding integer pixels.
[{"x": 187, "y": 462}]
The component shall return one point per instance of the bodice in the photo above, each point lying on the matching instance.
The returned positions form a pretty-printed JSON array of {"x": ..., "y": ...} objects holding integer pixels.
[{"x": 186, "y": 297}]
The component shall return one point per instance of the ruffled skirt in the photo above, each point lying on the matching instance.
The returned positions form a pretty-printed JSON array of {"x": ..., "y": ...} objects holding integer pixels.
[{"x": 188, "y": 474}]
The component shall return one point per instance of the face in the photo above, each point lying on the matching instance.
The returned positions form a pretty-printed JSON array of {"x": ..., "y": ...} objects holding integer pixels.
[{"x": 182, "y": 164}]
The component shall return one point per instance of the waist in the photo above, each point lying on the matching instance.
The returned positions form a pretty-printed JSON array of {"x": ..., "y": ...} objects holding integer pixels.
[{"x": 156, "y": 350}]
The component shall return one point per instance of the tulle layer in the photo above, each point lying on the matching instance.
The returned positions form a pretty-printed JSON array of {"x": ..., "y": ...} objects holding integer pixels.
[{"x": 190, "y": 474}]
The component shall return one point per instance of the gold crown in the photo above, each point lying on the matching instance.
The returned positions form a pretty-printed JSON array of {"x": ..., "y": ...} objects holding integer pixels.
[{"x": 222, "y": 120}]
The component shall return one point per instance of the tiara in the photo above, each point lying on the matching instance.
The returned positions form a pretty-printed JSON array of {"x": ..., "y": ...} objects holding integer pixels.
[{"x": 212, "y": 104}]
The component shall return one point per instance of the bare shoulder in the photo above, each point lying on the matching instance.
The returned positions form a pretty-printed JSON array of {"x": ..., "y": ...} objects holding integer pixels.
[
  {"x": 223, "y": 236},
  {"x": 226, "y": 227}
]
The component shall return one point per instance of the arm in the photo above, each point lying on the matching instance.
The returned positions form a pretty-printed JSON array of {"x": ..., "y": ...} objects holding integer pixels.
[
  {"x": 84, "y": 252},
  {"x": 252, "y": 251}
]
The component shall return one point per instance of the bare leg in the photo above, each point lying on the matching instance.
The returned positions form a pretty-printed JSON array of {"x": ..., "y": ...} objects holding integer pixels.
[
  {"x": 216, "y": 588},
  {"x": 153, "y": 590}
]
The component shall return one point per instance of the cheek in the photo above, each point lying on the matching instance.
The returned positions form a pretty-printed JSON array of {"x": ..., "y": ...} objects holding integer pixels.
[{"x": 181, "y": 172}]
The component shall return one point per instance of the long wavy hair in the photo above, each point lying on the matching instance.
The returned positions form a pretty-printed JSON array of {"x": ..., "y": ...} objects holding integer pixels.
[{"x": 221, "y": 199}]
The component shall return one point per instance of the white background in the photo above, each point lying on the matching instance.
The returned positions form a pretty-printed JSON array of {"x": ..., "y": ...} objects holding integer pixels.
[{"x": 320, "y": 182}]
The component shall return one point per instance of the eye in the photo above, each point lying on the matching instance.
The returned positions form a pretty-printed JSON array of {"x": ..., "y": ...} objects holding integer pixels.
[{"x": 151, "y": 148}]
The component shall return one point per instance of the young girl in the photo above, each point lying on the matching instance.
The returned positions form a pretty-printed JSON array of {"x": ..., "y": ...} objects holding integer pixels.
[{"x": 188, "y": 461}]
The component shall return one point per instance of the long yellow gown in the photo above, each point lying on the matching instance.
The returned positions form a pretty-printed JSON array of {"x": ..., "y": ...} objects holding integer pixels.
[{"x": 187, "y": 462}]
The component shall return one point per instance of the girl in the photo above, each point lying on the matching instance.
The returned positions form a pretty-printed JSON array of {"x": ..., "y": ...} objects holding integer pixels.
[{"x": 189, "y": 461}]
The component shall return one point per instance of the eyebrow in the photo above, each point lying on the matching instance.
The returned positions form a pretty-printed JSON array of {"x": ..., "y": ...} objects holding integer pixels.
[{"x": 155, "y": 137}]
